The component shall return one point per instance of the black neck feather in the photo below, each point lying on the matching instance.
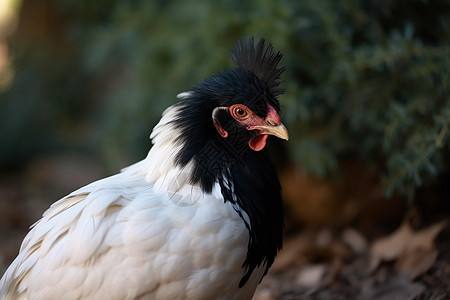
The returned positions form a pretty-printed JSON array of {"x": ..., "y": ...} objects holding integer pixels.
[{"x": 247, "y": 178}]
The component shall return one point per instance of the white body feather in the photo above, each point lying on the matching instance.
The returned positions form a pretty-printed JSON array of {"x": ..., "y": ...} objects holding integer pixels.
[{"x": 145, "y": 233}]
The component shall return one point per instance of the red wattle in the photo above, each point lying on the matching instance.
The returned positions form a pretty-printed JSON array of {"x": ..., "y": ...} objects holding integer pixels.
[{"x": 258, "y": 142}]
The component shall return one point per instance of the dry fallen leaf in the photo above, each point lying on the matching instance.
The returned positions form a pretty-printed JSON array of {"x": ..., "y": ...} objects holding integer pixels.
[
  {"x": 416, "y": 263},
  {"x": 311, "y": 276},
  {"x": 423, "y": 239},
  {"x": 406, "y": 242},
  {"x": 390, "y": 247},
  {"x": 396, "y": 289},
  {"x": 354, "y": 240},
  {"x": 263, "y": 294}
]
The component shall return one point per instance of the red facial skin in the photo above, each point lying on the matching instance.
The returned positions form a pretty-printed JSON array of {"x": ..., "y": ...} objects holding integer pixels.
[{"x": 244, "y": 116}]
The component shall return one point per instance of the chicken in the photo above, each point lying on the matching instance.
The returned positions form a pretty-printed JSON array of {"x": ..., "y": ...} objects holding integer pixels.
[{"x": 199, "y": 218}]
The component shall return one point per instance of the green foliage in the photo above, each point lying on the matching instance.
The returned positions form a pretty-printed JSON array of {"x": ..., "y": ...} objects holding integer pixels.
[{"x": 365, "y": 80}]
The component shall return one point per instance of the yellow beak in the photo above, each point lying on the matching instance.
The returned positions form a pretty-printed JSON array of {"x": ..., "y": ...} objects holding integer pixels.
[{"x": 279, "y": 131}]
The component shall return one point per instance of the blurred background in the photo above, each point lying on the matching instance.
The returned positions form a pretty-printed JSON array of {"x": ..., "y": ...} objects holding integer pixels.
[{"x": 82, "y": 83}]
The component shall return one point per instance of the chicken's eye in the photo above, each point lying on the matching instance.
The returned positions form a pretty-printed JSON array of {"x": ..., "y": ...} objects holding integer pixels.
[{"x": 240, "y": 112}]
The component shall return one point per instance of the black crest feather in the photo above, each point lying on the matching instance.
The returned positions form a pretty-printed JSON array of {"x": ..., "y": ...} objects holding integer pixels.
[{"x": 261, "y": 61}]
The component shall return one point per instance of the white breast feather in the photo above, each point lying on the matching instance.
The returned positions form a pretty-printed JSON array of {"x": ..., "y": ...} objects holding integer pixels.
[{"x": 145, "y": 233}]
